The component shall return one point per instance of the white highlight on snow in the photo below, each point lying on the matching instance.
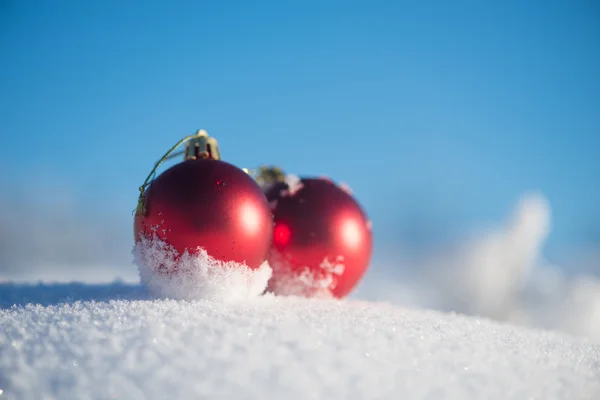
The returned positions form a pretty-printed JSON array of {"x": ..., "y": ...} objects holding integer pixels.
[
  {"x": 282, "y": 348},
  {"x": 497, "y": 274},
  {"x": 167, "y": 274},
  {"x": 304, "y": 281}
]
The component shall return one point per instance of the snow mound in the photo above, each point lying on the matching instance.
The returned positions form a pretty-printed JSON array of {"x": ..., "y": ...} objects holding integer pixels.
[
  {"x": 280, "y": 347},
  {"x": 303, "y": 281},
  {"x": 499, "y": 273},
  {"x": 167, "y": 274}
]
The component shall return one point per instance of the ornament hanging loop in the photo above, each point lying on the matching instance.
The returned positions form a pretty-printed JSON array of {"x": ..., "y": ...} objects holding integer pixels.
[{"x": 197, "y": 146}]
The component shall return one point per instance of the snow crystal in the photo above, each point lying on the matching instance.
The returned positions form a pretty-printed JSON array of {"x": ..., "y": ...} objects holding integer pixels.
[
  {"x": 294, "y": 184},
  {"x": 303, "y": 281},
  {"x": 168, "y": 274},
  {"x": 273, "y": 347}
]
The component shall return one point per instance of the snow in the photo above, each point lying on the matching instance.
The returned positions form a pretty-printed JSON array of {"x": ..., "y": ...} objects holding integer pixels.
[
  {"x": 302, "y": 280},
  {"x": 115, "y": 341},
  {"x": 498, "y": 273},
  {"x": 168, "y": 274}
]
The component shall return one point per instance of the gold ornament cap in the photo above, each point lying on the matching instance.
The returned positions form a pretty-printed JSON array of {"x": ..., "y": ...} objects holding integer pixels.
[{"x": 201, "y": 146}]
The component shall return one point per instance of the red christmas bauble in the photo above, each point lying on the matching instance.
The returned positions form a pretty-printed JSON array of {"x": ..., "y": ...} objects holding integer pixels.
[
  {"x": 322, "y": 239},
  {"x": 210, "y": 204}
]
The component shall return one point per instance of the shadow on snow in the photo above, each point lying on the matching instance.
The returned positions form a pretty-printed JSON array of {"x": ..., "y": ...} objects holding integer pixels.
[{"x": 56, "y": 293}]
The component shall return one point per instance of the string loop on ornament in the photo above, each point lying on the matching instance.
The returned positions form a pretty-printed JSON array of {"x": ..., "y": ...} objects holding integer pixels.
[{"x": 197, "y": 145}]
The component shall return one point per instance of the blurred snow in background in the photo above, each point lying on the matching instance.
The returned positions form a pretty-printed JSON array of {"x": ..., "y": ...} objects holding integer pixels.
[{"x": 499, "y": 274}]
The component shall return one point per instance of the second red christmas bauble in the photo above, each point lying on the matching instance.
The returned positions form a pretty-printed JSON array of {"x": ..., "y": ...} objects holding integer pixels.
[{"x": 322, "y": 239}]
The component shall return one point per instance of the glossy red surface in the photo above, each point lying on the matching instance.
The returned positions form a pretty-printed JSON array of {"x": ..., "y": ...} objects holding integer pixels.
[
  {"x": 211, "y": 204},
  {"x": 320, "y": 221}
]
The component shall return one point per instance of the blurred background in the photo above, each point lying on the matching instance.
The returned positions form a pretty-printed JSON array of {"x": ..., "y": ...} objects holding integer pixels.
[{"x": 469, "y": 131}]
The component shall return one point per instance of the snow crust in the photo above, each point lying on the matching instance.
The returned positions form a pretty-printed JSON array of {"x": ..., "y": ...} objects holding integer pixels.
[
  {"x": 302, "y": 280},
  {"x": 272, "y": 348},
  {"x": 168, "y": 274}
]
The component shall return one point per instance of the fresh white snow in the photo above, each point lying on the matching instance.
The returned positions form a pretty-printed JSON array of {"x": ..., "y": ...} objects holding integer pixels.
[
  {"x": 272, "y": 348},
  {"x": 168, "y": 274}
]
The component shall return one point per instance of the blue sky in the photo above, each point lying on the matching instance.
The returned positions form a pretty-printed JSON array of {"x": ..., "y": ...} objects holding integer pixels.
[{"x": 438, "y": 114}]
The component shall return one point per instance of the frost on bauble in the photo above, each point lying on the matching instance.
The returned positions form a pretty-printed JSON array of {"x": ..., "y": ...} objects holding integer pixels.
[
  {"x": 167, "y": 274},
  {"x": 290, "y": 280},
  {"x": 346, "y": 188},
  {"x": 294, "y": 184}
]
